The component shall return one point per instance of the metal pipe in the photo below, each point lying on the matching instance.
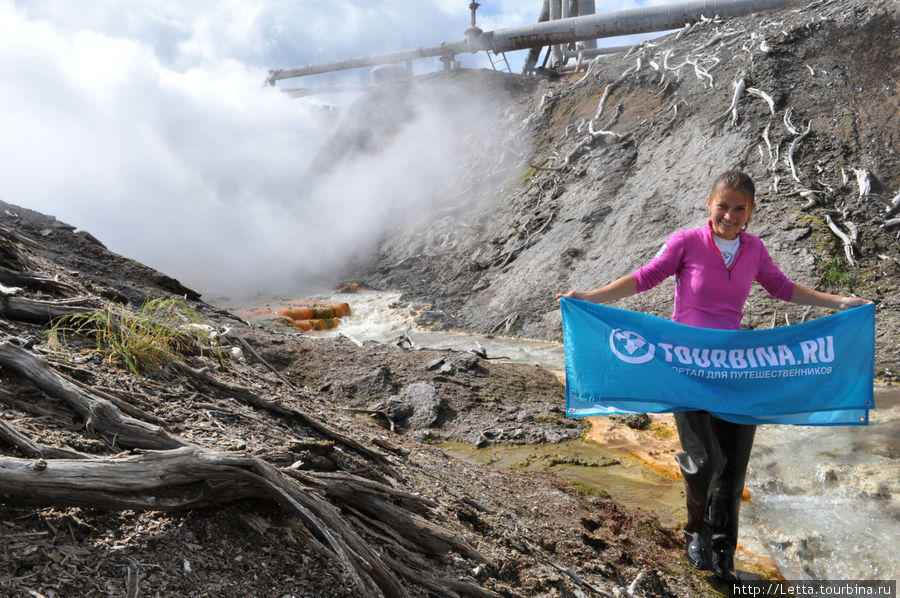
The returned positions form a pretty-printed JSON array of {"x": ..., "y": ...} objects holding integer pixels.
[
  {"x": 591, "y": 52},
  {"x": 620, "y": 22},
  {"x": 445, "y": 49},
  {"x": 560, "y": 31},
  {"x": 585, "y": 8},
  {"x": 556, "y": 55},
  {"x": 534, "y": 54}
]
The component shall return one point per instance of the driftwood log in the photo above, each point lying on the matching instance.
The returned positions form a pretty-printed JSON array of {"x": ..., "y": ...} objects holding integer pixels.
[
  {"x": 191, "y": 477},
  {"x": 98, "y": 413},
  {"x": 34, "y": 281},
  {"x": 38, "y": 311}
]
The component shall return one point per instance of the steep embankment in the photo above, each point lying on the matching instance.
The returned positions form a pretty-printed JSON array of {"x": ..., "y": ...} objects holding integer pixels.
[{"x": 611, "y": 162}]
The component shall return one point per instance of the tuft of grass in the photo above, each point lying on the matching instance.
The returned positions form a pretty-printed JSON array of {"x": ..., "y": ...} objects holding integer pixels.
[
  {"x": 837, "y": 272},
  {"x": 144, "y": 340}
]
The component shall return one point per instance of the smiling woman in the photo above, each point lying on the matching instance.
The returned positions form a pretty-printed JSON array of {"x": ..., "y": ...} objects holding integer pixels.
[{"x": 715, "y": 266}]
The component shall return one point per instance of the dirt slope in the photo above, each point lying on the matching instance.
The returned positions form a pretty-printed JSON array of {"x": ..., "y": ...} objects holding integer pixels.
[
  {"x": 476, "y": 532},
  {"x": 581, "y": 209}
]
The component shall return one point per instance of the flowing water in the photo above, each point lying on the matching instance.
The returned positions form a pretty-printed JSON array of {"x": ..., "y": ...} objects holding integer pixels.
[{"x": 825, "y": 500}]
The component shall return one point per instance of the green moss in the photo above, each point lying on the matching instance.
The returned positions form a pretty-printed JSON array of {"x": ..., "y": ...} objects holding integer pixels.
[
  {"x": 662, "y": 430},
  {"x": 589, "y": 489},
  {"x": 526, "y": 176}
]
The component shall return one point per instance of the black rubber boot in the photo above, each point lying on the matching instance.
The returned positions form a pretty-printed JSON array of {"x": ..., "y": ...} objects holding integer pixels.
[
  {"x": 714, "y": 465},
  {"x": 698, "y": 552},
  {"x": 723, "y": 564}
]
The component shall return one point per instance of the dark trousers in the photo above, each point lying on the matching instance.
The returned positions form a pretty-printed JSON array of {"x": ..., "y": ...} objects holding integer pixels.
[{"x": 714, "y": 465}]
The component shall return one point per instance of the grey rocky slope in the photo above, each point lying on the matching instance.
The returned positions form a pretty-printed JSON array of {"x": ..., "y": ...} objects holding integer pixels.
[{"x": 579, "y": 207}]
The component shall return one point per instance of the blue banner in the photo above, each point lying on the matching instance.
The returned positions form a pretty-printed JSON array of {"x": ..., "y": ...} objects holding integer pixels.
[{"x": 816, "y": 373}]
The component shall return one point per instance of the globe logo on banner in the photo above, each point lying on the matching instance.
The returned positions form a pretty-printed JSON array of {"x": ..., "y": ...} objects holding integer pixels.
[{"x": 630, "y": 346}]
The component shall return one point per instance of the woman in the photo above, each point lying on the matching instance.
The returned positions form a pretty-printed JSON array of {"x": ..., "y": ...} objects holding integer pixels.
[{"x": 715, "y": 266}]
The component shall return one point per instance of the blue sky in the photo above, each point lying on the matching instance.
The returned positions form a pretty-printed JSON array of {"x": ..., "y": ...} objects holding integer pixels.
[{"x": 145, "y": 122}]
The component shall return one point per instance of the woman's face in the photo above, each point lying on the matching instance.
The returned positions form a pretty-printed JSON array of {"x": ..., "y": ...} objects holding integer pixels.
[{"x": 729, "y": 211}]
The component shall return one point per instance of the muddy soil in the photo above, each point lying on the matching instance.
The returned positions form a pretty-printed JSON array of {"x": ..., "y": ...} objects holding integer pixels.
[{"x": 543, "y": 536}]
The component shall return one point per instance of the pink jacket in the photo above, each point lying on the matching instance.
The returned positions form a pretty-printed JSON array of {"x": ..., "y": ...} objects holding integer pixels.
[{"x": 707, "y": 294}]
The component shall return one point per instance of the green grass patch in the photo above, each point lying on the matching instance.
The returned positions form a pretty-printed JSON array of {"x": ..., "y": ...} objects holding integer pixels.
[
  {"x": 144, "y": 340},
  {"x": 837, "y": 272}
]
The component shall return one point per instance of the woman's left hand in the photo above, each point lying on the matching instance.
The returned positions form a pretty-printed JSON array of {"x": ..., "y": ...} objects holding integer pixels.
[{"x": 851, "y": 302}]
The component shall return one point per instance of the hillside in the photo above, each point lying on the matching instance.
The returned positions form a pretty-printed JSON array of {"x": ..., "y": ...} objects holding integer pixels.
[
  {"x": 608, "y": 164},
  {"x": 230, "y": 461}
]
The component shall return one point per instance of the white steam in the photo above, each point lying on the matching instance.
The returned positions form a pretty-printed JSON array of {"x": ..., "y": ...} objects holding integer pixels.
[{"x": 170, "y": 151}]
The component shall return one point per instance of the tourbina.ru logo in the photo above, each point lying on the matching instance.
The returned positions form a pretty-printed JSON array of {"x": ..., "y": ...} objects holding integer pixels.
[
  {"x": 630, "y": 346},
  {"x": 633, "y": 348}
]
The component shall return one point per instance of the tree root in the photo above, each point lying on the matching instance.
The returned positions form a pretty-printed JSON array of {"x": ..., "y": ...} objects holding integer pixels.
[{"x": 845, "y": 239}]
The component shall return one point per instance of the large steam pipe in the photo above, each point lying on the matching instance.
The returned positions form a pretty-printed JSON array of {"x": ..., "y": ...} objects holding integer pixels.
[
  {"x": 620, "y": 22},
  {"x": 587, "y": 7},
  {"x": 611, "y": 24}
]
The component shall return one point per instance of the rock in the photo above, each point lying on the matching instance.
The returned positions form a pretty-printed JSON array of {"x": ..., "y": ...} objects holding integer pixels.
[
  {"x": 636, "y": 421},
  {"x": 795, "y": 234},
  {"x": 447, "y": 369},
  {"x": 397, "y": 409},
  {"x": 480, "y": 441},
  {"x": 375, "y": 383},
  {"x": 425, "y": 402},
  {"x": 466, "y": 362},
  {"x": 435, "y": 364}
]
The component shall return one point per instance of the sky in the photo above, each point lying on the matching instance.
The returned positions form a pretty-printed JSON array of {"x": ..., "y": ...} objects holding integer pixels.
[{"x": 147, "y": 124}]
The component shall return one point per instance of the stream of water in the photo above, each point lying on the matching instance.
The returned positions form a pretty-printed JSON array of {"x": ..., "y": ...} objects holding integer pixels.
[{"x": 825, "y": 500}]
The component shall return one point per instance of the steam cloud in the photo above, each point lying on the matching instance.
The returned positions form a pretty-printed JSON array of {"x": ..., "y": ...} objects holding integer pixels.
[{"x": 148, "y": 127}]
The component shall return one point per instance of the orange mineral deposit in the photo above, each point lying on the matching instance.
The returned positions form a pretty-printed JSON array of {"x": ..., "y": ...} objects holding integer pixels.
[{"x": 297, "y": 313}]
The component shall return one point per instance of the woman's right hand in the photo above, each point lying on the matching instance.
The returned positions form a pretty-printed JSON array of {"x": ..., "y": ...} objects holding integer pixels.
[{"x": 570, "y": 294}]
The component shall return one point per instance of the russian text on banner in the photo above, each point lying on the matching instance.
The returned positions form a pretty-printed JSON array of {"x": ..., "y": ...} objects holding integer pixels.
[{"x": 816, "y": 373}]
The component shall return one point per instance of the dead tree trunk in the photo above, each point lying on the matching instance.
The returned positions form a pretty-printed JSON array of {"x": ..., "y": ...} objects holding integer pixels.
[
  {"x": 98, "y": 413},
  {"x": 37, "y": 311}
]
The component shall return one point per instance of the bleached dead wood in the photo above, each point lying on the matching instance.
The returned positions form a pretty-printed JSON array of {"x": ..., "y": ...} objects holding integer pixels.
[
  {"x": 632, "y": 587},
  {"x": 738, "y": 85},
  {"x": 811, "y": 199},
  {"x": 39, "y": 311},
  {"x": 699, "y": 71},
  {"x": 761, "y": 94},
  {"x": 32, "y": 280},
  {"x": 601, "y": 132},
  {"x": 98, "y": 414},
  {"x": 13, "y": 437},
  {"x": 863, "y": 182},
  {"x": 765, "y": 136},
  {"x": 608, "y": 89},
  {"x": 718, "y": 37},
  {"x": 790, "y": 156},
  {"x": 191, "y": 477},
  {"x": 894, "y": 205},
  {"x": 845, "y": 239},
  {"x": 787, "y": 122},
  {"x": 592, "y": 66}
]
